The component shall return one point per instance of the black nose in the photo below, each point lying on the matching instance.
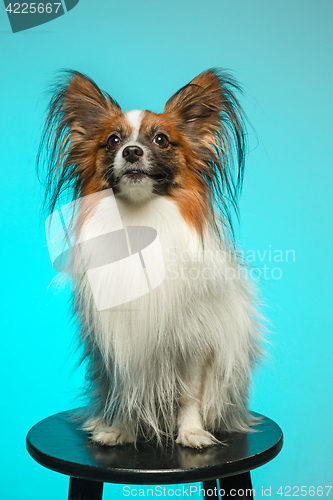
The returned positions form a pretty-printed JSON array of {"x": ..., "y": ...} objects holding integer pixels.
[{"x": 132, "y": 153}]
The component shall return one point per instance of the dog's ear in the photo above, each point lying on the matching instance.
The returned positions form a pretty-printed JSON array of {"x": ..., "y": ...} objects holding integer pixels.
[
  {"x": 208, "y": 113},
  {"x": 196, "y": 107},
  {"x": 78, "y": 117},
  {"x": 83, "y": 105}
]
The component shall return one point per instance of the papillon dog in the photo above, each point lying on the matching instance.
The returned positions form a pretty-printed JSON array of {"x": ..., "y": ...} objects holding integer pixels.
[{"x": 174, "y": 363}]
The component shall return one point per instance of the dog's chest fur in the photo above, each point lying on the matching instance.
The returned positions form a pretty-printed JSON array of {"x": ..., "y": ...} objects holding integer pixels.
[
  {"x": 183, "y": 304},
  {"x": 148, "y": 350}
]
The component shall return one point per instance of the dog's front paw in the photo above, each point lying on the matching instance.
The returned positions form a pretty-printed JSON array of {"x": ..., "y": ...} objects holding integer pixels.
[
  {"x": 112, "y": 436},
  {"x": 195, "y": 438},
  {"x": 92, "y": 424}
]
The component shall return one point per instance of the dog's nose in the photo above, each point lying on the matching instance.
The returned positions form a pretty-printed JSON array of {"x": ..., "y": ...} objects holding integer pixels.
[{"x": 132, "y": 153}]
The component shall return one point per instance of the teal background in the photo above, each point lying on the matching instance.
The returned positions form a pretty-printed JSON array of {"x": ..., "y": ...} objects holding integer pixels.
[{"x": 141, "y": 53}]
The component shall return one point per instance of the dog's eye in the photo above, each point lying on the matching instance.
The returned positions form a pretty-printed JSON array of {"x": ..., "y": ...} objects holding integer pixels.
[
  {"x": 113, "y": 141},
  {"x": 161, "y": 141}
]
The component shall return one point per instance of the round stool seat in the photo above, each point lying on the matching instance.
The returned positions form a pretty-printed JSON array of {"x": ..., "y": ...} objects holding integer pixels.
[{"x": 58, "y": 444}]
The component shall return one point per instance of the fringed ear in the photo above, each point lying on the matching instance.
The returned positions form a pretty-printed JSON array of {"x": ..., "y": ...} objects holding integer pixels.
[
  {"x": 197, "y": 105},
  {"x": 77, "y": 116},
  {"x": 210, "y": 115}
]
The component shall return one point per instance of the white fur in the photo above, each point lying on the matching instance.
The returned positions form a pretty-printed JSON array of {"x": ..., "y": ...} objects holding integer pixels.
[
  {"x": 178, "y": 359},
  {"x": 135, "y": 191},
  {"x": 134, "y": 118}
]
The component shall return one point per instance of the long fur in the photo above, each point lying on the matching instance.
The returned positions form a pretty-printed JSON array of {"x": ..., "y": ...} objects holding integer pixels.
[
  {"x": 149, "y": 347},
  {"x": 196, "y": 337}
]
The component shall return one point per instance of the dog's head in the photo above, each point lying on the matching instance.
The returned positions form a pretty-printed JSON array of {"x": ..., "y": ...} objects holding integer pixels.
[{"x": 185, "y": 153}]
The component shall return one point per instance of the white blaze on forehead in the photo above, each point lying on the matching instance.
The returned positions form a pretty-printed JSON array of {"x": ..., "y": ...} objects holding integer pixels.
[{"x": 134, "y": 118}]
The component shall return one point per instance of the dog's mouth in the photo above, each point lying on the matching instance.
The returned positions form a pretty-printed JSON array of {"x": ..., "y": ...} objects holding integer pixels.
[
  {"x": 138, "y": 174},
  {"x": 135, "y": 174}
]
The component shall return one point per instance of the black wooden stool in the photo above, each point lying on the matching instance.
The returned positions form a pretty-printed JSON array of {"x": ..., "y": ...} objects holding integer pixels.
[{"x": 58, "y": 444}]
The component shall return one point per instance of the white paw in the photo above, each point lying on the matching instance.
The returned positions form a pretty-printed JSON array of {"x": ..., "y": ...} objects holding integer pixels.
[
  {"x": 92, "y": 424},
  {"x": 112, "y": 436},
  {"x": 195, "y": 438}
]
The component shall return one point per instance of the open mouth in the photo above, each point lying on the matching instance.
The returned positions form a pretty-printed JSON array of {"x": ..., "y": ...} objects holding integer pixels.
[
  {"x": 138, "y": 174},
  {"x": 135, "y": 175}
]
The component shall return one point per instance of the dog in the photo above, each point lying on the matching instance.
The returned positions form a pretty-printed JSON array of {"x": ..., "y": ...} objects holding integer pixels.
[{"x": 174, "y": 363}]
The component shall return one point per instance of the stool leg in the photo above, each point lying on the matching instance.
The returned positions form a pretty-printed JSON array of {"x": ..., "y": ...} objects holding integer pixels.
[
  {"x": 213, "y": 487},
  {"x": 81, "y": 489},
  {"x": 238, "y": 487}
]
